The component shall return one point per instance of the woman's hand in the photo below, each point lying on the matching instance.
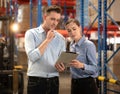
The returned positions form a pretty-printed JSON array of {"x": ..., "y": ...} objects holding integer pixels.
[{"x": 77, "y": 64}]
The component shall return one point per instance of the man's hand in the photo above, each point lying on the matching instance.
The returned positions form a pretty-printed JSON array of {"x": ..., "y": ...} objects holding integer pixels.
[
  {"x": 60, "y": 67},
  {"x": 50, "y": 35}
]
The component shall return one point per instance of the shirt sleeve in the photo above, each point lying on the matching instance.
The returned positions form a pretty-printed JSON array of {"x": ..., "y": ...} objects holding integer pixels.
[
  {"x": 32, "y": 52},
  {"x": 91, "y": 66}
]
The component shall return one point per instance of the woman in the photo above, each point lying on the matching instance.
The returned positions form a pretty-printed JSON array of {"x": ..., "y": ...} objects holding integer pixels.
[{"x": 84, "y": 68}]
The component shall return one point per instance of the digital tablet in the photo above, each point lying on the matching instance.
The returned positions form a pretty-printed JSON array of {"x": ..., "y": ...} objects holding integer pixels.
[{"x": 67, "y": 57}]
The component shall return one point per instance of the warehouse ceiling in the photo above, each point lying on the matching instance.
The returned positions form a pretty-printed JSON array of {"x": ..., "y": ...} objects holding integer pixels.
[{"x": 45, "y": 2}]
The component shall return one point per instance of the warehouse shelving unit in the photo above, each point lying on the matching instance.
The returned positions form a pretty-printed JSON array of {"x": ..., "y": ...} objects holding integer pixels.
[{"x": 103, "y": 31}]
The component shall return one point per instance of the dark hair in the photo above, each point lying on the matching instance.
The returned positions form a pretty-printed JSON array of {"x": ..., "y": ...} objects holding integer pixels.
[
  {"x": 72, "y": 20},
  {"x": 53, "y": 8}
]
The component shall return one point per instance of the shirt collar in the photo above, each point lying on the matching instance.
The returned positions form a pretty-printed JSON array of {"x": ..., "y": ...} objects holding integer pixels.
[
  {"x": 79, "y": 42},
  {"x": 40, "y": 29}
]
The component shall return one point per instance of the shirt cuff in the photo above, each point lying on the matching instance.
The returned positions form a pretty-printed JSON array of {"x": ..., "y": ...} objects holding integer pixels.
[{"x": 35, "y": 55}]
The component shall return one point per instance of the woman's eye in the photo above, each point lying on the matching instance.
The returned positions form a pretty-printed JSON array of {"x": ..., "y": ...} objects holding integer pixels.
[
  {"x": 74, "y": 29},
  {"x": 69, "y": 30}
]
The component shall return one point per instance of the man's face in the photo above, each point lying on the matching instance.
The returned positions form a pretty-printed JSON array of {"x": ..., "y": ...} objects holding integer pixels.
[
  {"x": 51, "y": 20},
  {"x": 74, "y": 31}
]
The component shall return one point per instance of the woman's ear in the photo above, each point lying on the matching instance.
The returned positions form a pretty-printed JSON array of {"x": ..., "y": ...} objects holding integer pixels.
[{"x": 81, "y": 32}]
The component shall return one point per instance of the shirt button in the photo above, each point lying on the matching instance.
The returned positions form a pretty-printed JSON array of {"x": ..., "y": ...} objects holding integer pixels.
[{"x": 47, "y": 79}]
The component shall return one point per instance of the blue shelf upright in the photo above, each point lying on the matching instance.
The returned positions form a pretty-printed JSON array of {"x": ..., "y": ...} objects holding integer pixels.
[
  {"x": 99, "y": 40},
  {"x": 105, "y": 44},
  {"x": 31, "y": 17},
  {"x": 39, "y": 18}
]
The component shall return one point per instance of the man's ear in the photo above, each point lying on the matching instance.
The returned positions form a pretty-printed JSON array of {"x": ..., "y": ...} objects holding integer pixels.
[{"x": 44, "y": 17}]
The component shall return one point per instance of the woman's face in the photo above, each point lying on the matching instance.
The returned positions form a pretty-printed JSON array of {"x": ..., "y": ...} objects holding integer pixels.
[{"x": 74, "y": 31}]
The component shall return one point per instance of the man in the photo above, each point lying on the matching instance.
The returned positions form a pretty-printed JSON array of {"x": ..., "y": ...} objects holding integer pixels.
[
  {"x": 43, "y": 46},
  {"x": 84, "y": 68}
]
